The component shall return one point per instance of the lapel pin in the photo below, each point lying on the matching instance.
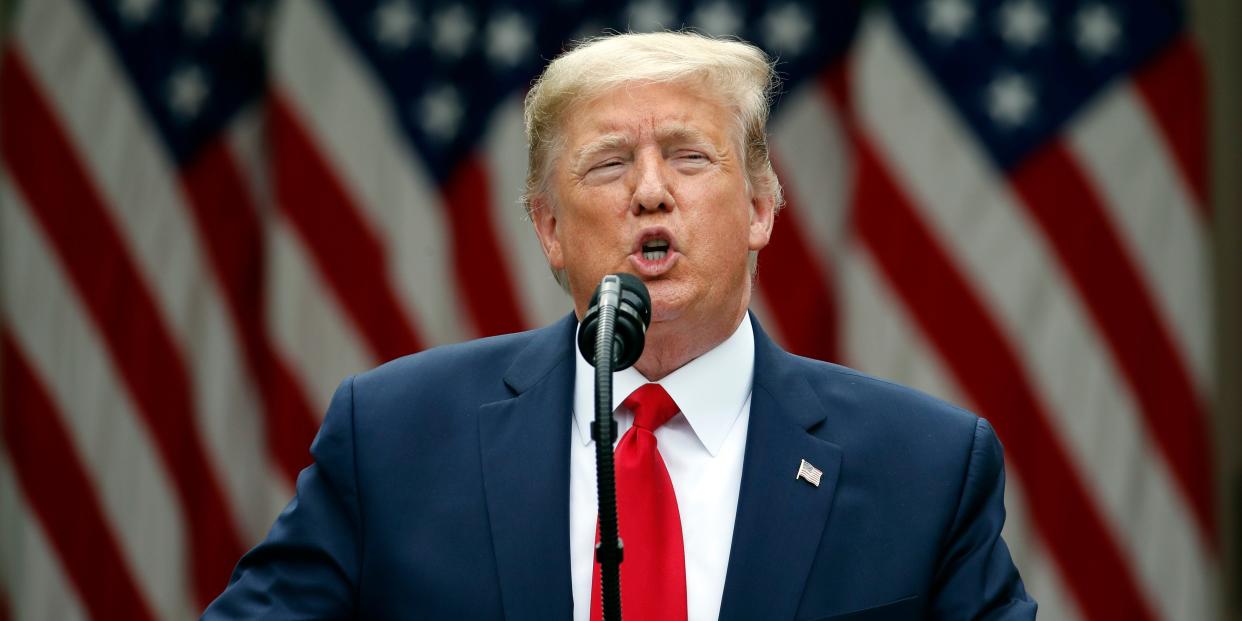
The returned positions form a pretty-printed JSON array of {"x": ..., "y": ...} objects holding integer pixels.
[{"x": 809, "y": 473}]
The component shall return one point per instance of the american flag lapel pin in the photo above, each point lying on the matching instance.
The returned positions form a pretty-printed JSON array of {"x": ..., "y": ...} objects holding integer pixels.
[{"x": 809, "y": 473}]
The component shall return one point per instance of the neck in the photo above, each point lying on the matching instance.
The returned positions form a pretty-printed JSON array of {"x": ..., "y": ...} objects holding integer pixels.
[{"x": 670, "y": 346}]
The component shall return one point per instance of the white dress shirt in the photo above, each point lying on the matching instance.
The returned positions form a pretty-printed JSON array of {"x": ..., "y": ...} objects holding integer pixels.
[{"x": 702, "y": 447}]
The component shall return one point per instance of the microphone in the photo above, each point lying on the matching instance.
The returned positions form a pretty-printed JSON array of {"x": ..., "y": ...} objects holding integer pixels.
[
  {"x": 611, "y": 338},
  {"x": 628, "y": 296}
]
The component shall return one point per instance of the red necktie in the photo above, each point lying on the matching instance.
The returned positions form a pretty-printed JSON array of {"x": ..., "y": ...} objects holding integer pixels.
[{"x": 653, "y": 574}]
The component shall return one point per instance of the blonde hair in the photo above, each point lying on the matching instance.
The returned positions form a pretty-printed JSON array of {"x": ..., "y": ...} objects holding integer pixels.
[{"x": 737, "y": 73}]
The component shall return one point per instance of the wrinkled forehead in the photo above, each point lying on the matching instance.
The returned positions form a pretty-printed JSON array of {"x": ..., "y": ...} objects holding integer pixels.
[{"x": 686, "y": 110}]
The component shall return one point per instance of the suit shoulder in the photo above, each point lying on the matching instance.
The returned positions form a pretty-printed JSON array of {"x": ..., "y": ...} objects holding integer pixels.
[
  {"x": 895, "y": 407},
  {"x": 447, "y": 358},
  {"x": 470, "y": 371}
]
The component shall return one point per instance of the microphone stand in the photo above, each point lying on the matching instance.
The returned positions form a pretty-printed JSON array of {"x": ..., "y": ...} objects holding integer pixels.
[{"x": 608, "y": 552}]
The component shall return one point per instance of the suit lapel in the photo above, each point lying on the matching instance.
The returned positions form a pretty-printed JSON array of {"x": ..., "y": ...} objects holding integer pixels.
[
  {"x": 524, "y": 445},
  {"x": 780, "y": 519}
]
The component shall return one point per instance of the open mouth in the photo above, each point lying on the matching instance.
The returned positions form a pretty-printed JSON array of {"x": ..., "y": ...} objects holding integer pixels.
[
  {"x": 654, "y": 253},
  {"x": 655, "y": 249}
]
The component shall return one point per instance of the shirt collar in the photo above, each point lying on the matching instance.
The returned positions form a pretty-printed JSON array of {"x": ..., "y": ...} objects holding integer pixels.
[{"x": 710, "y": 390}]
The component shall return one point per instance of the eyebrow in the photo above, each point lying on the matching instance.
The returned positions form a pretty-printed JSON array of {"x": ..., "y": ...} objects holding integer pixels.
[
  {"x": 607, "y": 142},
  {"x": 682, "y": 133},
  {"x": 671, "y": 133}
]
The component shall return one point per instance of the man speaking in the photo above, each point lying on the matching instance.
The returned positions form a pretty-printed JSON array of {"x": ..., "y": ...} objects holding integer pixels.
[{"x": 459, "y": 483}]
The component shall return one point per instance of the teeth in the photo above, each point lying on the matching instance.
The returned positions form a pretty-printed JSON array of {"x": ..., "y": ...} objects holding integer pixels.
[{"x": 655, "y": 249}]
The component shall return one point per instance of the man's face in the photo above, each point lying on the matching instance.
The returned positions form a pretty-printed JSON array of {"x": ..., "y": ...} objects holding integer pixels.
[{"x": 651, "y": 182}]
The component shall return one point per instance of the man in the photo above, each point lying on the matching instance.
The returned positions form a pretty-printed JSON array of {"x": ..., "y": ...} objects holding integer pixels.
[{"x": 459, "y": 483}]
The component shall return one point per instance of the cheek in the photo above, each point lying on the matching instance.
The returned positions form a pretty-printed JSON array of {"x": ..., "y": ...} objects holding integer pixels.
[
  {"x": 584, "y": 240},
  {"x": 597, "y": 216},
  {"x": 729, "y": 219}
]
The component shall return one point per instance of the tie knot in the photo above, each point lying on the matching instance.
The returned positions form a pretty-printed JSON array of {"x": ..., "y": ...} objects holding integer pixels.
[{"x": 651, "y": 405}]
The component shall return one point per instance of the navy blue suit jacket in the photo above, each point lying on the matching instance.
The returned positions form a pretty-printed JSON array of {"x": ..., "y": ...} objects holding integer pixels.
[{"x": 440, "y": 490}]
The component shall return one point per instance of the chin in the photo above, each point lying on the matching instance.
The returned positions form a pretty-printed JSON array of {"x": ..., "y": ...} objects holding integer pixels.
[
  {"x": 666, "y": 305},
  {"x": 663, "y": 315}
]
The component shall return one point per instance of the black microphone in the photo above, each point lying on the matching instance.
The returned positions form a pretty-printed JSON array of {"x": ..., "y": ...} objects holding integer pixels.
[
  {"x": 628, "y": 296},
  {"x": 611, "y": 338}
]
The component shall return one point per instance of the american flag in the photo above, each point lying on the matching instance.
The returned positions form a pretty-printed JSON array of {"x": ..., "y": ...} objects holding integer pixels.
[
  {"x": 211, "y": 211},
  {"x": 809, "y": 473}
]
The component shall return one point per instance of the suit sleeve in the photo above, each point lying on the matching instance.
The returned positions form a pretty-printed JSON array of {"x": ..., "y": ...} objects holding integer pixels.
[
  {"x": 307, "y": 567},
  {"x": 977, "y": 578}
]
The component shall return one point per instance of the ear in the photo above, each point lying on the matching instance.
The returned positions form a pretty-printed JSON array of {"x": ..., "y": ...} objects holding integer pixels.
[
  {"x": 543, "y": 217},
  {"x": 762, "y": 217}
]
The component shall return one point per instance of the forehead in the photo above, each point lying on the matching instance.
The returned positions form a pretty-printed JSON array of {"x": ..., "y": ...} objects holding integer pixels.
[{"x": 661, "y": 110}]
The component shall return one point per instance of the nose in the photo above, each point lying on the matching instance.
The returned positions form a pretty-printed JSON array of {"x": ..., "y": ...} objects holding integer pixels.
[{"x": 651, "y": 188}]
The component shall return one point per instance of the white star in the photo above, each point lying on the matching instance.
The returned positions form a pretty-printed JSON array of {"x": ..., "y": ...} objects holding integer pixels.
[
  {"x": 948, "y": 20},
  {"x": 1096, "y": 31},
  {"x": 648, "y": 15},
  {"x": 187, "y": 92},
  {"x": 135, "y": 12},
  {"x": 394, "y": 24},
  {"x": 717, "y": 18},
  {"x": 440, "y": 113},
  {"x": 786, "y": 29},
  {"x": 1023, "y": 24},
  {"x": 509, "y": 39},
  {"x": 1010, "y": 100},
  {"x": 199, "y": 17},
  {"x": 453, "y": 28}
]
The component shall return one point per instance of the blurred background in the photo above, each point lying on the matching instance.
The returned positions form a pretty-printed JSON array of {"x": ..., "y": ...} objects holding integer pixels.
[{"x": 212, "y": 211}]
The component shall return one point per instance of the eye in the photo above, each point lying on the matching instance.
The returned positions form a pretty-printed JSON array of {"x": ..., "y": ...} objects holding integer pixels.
[
  {"x": 606, "y": 164},
  {"x": 691, "y": 161}
]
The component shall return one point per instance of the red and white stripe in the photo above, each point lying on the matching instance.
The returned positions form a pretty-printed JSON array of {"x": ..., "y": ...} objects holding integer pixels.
[
  {"x": 33, "y": 585},
  {"x": 811, "y": 157},
  {"x": 1157, "y": 215},
  {"x": 971, "y": 215},
  {"x": 141, "y": 197},
  {"x": 143, "y": 280},
  {"x": 86, "y": 405},
  {"x": 330, "y": 117}
]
